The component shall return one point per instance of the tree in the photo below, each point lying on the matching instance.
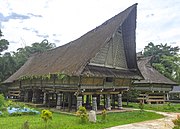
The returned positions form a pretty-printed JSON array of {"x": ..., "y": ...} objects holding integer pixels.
[
  {"x": 1, "y": 33},
  {"x": 157, "y": 51},
  {"x": 23, "y": 54},
  {"x": 3, "y": 43},
  {"x": 165, "y": 59},
  {"x": 11, "y": 62}
]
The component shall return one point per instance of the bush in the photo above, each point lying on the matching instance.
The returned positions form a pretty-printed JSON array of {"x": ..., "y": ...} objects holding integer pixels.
[
  {"x": 46, "y": 115},
  {"x": 104, "y": 115},
  {"x": 16, "y": 114},
  {"x": 82, "y": 113},
  {"x": 168, "y": 107},
  {"x": 177, "y": 122},
  {"x": 141, "y": 106},
  {"x": 2, "y": 100}
]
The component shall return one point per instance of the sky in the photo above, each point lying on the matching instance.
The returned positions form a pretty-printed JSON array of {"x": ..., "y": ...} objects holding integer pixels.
[{"x": 24, "y": 22}]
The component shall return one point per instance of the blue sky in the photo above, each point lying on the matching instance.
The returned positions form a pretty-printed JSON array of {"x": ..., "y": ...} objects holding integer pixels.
[{"x": 24, "y": 22}]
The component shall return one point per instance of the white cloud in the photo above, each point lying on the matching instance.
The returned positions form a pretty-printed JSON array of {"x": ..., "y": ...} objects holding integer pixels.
[{"x": 66, "y": 20}]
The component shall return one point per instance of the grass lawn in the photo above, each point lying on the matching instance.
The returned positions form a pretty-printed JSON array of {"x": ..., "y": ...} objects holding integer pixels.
[
  {"x": 63, "y": 121},
  {"x": 168, "y": 107}
]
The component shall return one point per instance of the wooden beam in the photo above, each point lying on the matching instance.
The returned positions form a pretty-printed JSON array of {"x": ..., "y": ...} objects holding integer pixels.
[{"x": 91, "y": 93}]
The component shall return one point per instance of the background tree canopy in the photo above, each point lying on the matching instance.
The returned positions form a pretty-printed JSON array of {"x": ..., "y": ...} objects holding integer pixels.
[
  {"x": 165, "y": 59},
  {"x": 11, "y": 62}
]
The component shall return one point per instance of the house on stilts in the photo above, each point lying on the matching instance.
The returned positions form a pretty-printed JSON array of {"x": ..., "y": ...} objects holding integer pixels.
[
  {"x": 97, "y": 67},
  {"x": 155, "y": 87}
]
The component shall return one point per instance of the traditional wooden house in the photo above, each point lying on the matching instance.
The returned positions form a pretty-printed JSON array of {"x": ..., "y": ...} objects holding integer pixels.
[
  {"x": 155, "y": 86},
  {"x": 101, "y": 64},
  {"x": 174, "y": 94}
]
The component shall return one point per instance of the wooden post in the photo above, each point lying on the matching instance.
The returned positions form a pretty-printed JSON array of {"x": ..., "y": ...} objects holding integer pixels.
[
  {"x": 87, "y": 101},
  {"x": 167, "y": 96},
  {"x": 26, "y": 96},
  {"x": 98, "y": 101},
  {"x": 63, "y": 101},
  {"x": 69, "y": 101},
  {"x": 36, "y": 96},
  {"x": 45, "y": 98},
  {"x": 104, "y": 101},
  {"x": 113, "y": 101},
  {"x": 83, "y": 100}
]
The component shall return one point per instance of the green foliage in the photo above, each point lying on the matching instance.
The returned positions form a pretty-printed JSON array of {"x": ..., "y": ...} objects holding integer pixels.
[
  {"x": 168, "y": 107},
  {"x": 3, "y": 45},
  {"x": 165, "y": 59},
  {"x": 16, "y": 114},
  {"x": 2, "y": 101},
  {"x": 11, "y": 62},
  {"x": 141, "y": 106},
  {"x": 104, "y": 115},
  {"x": 176, "y": 122},
  {"x": 131, "y": 95},
  {"x": 46, "y": 115},
  {"x": 64, "y": 121},
  {"x": 82, "y": 113},
  {"x": 25, "y": 125}
]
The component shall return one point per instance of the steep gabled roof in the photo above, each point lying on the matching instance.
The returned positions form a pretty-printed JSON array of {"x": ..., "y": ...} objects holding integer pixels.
[
  {"x": 151, "y": 75},
  {"x": 72, "y": 58}
]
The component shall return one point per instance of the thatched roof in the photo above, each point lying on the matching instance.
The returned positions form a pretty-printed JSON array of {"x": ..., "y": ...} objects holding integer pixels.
[
  {"x": 74, "y": 58},
  {"x": 151, "y": 75}
]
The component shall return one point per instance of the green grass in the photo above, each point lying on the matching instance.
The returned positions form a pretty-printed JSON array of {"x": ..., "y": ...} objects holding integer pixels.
[
  {"x": 63, "y": 121},
  {"x": 168, "y": 107}
]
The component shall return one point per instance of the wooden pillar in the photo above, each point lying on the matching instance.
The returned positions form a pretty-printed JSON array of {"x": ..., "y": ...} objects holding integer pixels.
[
  {"x": 88, "y": 99},
  {"x": 119, "y": 101},
  {"x": 98, "y": 101},
  {"x": 69, "y": 101},
  {"x": 26, "y": 96},
  {"x": 108, "y": 102},
  {"x": 36, "y": 96},
  {"x": 22, "y": 95},
  {"x": 63, "y": 101},
  {"x": 104, "y": 101},
  {"x": 45, "y": 98},
  {"x": 94, "y": 103},
  {"x": 79, "y": 102},
  {"x": 167, "y": 96},
  {"x": 113, "y": 101},
  {"x": 83, "y": 100}
]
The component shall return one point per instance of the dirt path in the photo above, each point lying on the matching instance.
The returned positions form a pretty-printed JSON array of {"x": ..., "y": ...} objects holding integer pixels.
[{"x": 163, "y": 123}]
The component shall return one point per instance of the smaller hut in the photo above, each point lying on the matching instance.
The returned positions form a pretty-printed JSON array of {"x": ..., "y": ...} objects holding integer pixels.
[
  {"x": 155, "y": 87},
  {"x": 174, "y": 95}
]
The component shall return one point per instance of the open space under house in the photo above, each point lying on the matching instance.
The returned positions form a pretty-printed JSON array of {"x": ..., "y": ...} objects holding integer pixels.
[
  {"x": 97, "y": 67},
  {"x": 155, "y": 87}
]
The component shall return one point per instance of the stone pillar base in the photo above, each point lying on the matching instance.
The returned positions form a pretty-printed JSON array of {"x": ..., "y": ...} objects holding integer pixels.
[
  {"x": 119, "y": 101},
  {"x": 94, "y": 104},
  {"x": 79, "y": 102},
  {"x": 58, "y": 107},
  {"x": 108, "y": 102}
]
